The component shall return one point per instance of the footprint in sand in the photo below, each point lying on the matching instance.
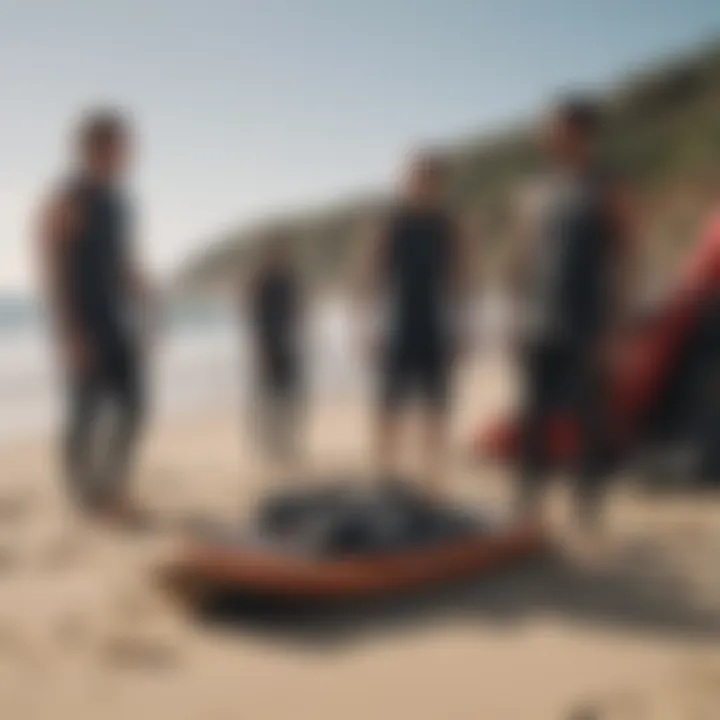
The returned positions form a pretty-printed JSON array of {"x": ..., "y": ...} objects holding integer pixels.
[
  {"x": 586, "y": 713},
  {"x": 694, "y": 692},
  {"x": 142, "y": 632},
  {"x": 16, "y": 505},
  {"x": 624, "y": 706},
  {"x": 125, "y": 646},
  {"x": 62, "y": 550}
]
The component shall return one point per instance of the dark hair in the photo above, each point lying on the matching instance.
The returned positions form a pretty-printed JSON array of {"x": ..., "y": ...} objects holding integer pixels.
[
  {"x": 581, "y": 113},
  {"x": 100, "y": 128}
]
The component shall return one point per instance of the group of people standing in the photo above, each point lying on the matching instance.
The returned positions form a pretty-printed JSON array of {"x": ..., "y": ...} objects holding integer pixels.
[{"x": 416, "y": 266}]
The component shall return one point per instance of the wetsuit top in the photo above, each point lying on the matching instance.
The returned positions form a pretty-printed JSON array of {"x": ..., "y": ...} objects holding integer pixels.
[
  {"x": 97, "y": 260},
  {"x": 573, "y": 261},
  {"x": 419, "y": 253},
  {"x": 275, "y": 308}
]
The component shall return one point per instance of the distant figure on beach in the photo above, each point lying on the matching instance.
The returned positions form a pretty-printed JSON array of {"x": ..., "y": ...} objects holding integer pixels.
[
  {"x": 96, "y": 291},
  {"x": 574, "y": 277},
  {"x": 275, "y": 306},
  {"x": 416, "y": 271}
]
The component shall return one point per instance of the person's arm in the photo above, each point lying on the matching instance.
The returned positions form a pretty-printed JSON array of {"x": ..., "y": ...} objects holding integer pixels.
[
  {"x": 58, "y": 224},
  {"x": 465, "y": 262},
  {"x": 522, "y": 251},
  {"x": 368, "y": 261},
  {"x": 301, "y": 324}
]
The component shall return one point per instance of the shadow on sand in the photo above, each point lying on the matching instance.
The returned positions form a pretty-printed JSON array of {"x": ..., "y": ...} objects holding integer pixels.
[{"x": 639, "y": 591}]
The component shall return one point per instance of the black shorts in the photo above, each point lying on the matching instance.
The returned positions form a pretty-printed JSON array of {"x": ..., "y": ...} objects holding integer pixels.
[
  {"x": 279, "y": 371},
  {"x": 116, "y": 363},
  {"x": 564, "y": 380},
  {"x": 415, "y": 373}
]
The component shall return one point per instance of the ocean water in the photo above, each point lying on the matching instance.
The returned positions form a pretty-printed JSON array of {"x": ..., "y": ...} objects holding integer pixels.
[{"x": 199, "y": 361}]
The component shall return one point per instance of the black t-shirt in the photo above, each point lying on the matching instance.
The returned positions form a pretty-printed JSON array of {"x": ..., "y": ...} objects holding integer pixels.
[
  {"x": 418, "y": 264},
  {"x": 97, "y": 259},
  {"x": 573, "y": 264},
  {"x": 275, "y": 309}
]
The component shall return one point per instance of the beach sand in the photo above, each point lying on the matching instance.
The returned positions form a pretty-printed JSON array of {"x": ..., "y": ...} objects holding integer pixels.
[{"x": 85, "y": 633}]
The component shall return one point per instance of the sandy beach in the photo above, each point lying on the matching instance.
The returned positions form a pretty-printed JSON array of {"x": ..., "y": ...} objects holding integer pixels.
[{"x": 86, "y": 634}]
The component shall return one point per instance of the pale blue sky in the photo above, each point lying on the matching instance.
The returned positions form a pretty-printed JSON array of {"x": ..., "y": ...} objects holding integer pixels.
[{"x": 247, "y": 106}]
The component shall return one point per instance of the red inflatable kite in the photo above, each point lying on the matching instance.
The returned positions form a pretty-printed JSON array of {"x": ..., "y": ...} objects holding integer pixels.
[{"x": 638, "y": 377}]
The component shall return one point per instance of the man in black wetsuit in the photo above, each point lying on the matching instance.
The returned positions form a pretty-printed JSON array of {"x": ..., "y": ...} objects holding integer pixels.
[
  {"x": 418, "y": 268},
  {"x": 93, "y": 285},
  {"x": 275, "y": 309},
  {"x": 574, "y": 276}
]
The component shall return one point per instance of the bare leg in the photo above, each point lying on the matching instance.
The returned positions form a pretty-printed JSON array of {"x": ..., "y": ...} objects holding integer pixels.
[
  {"x": 387, "y": 428},
  {"x": 594, "y": 450},
  {"x": 79, "y": 440},
  {"x": 127, "y": 392},
  {"x": 544, "y": 370},
  {"x": 288, "y": 418},
  {"x": 435, "y": 440},
  {"x": 269, "y": 418}
]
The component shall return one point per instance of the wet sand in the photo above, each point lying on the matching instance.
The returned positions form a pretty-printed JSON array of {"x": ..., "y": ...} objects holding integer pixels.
[{"x": 85, "y": 633}]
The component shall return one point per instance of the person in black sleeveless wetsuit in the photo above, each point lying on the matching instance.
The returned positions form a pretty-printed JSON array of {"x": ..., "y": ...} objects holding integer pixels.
[
  {"x": 576, "y": 268},
  {"x": 417, "y": 266},
  {"x": 93, "y": 283},
  {"x": 275, "y": 307}
]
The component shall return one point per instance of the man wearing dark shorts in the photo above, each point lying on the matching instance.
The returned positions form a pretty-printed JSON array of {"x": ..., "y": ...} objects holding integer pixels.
[
  {"x": 416, "y": 266},
  {"x": 275, "y": 307},
  {"x": 575, "y": 270},
  {"x": 93, "y": 285}
]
